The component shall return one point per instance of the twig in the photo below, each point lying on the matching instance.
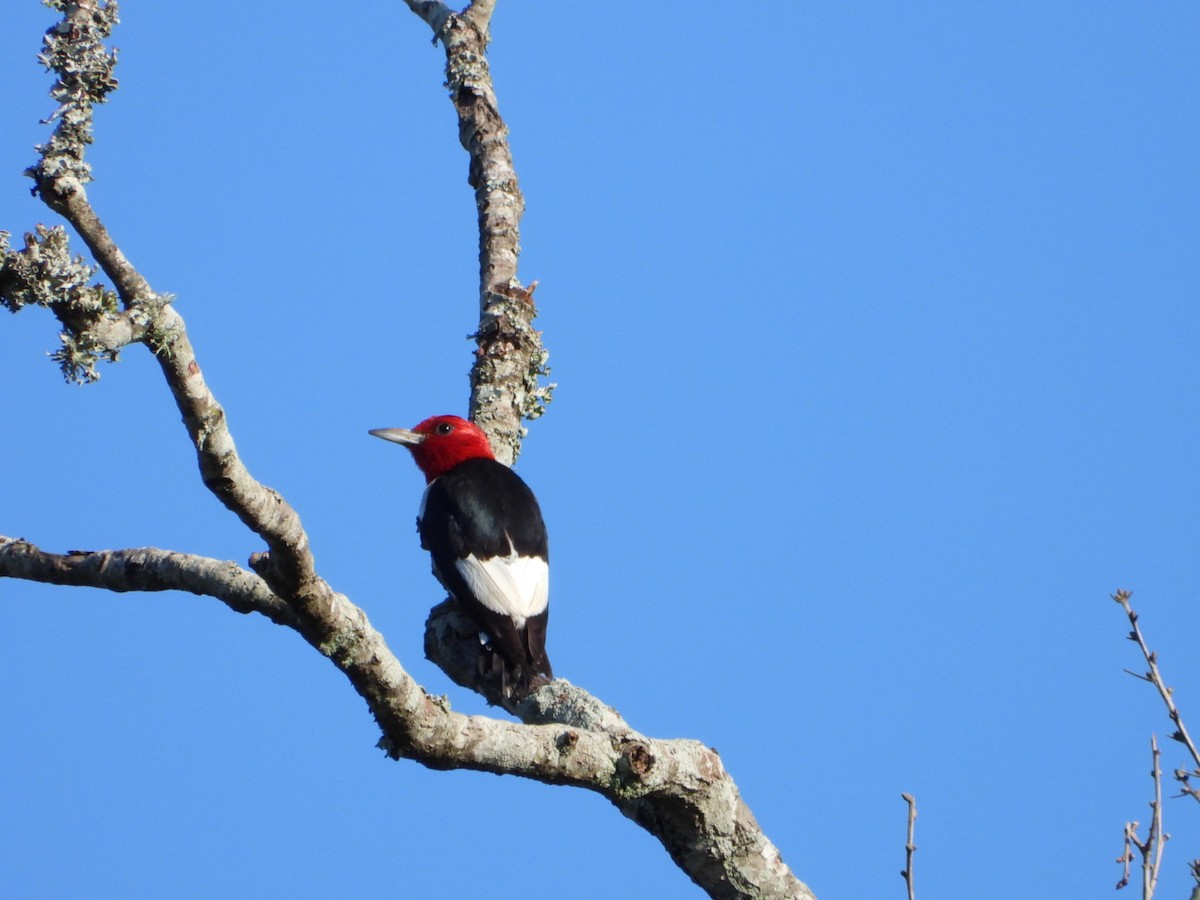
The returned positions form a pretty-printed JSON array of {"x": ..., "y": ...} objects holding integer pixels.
[
  {"x": 1154, "y": 676},
  {"x": 1157, "y": 838},
  {"x": 1151, "y": 849},
  {"x": 1126, "y": 856},
  {"x": 909, "y": 847}
]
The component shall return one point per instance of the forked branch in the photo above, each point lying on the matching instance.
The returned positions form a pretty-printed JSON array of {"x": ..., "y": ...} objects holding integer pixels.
[
  {"x": 1151, "y": 849},
  {"x": 677, "y": 790}
]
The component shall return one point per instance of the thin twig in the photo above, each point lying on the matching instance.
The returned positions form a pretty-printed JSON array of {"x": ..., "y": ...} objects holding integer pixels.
[
  {"x": 1126, "y": 856},
  {"x": 1157, "y": 838},
  {"x": 909, "y": 847},
  {"x": 1154, "y": 676},
  {"x": 1151, "y": 849}
]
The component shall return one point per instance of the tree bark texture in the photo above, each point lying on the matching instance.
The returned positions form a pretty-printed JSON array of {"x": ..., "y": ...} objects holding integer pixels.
[{"x": 678, "y": 790}]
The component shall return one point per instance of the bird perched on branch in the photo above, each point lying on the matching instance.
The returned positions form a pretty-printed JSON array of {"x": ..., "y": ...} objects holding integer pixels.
[{"x": 483, "y": 528}]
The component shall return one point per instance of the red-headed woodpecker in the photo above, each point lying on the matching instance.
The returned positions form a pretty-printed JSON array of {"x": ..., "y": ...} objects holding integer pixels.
[{"x": 482, "y": 525}]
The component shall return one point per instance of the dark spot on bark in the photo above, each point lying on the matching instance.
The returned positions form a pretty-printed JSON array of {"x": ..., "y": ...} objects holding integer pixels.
[{"x": 638, "y": 759}]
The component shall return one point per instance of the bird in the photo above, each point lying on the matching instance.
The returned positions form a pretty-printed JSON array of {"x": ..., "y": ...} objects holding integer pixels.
[{"x": 483, "y": 528}]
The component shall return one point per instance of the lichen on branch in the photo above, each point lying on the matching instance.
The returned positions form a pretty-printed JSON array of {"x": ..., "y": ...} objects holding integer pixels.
[
  {"x": 45, "y": 273},
  {"x": 510, "y": 363},
  {"x": 510, "y": 360},
  {"x": 74, "y": 49},
  {"x": 678, "y": 790}
]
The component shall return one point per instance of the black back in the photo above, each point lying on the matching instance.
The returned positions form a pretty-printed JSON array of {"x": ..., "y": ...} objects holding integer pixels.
[{"x": 477, "y": 508}]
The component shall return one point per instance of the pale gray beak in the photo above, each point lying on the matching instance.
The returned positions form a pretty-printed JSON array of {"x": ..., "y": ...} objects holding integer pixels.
[{"x": 398, "y": 436}]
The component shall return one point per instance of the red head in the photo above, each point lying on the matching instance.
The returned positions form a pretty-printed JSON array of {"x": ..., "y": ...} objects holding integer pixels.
[{"x": 440, "y": 443}]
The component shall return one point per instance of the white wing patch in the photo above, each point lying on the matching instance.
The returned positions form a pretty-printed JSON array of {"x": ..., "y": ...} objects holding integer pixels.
[{"x": 514, "y": 586}]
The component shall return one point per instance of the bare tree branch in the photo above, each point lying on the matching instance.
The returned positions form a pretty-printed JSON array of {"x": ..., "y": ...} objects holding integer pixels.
[
  {"x": 510, "y": 358},
  {"x": 74, "y": 50},
  {"x": 146, "y": 569},
  {"x": 1126, "y": 856},
  {"x": 1151, "y": 849},
  {"x": 1154, "y": 676},
  {"x": 678, "y": 790},
  {"x": 435, "y": 14},
  {"x": 1157, "y": 839},
  {"x": 910, "y": 848},
  {"x": 480, "y": 13},
  {"x": 452, "y": 642}
]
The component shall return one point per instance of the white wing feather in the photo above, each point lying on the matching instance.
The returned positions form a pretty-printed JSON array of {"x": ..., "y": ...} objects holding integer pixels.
[{"x": 515, "y": 586}]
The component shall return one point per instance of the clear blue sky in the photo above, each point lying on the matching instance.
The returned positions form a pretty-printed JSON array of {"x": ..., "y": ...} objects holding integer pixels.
[{"x": 876, "y": 334}]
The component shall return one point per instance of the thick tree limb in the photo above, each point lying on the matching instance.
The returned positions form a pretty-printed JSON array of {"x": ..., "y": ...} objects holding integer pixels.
[
  {"x": 452, "y": 643},
  {"x": 510, "y": 358},
  {"x": 146, "y": 569},
  {"x": 678, "y": 790},
  {"x": 75, "y": 51}
]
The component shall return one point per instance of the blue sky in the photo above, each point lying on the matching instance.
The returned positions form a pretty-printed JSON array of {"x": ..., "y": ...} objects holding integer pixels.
[{"x": 875, "y": 330}]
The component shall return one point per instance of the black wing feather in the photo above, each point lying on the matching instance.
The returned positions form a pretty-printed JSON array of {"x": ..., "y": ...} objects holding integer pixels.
[{"x": 478, "y": 508}]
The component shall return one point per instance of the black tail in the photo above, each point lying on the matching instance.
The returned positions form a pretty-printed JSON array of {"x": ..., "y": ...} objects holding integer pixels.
[{"x": 517, "y": 659}]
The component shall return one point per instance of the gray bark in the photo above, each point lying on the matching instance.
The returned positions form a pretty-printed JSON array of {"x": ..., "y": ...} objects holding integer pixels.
[{"x": 678, "y": 790}]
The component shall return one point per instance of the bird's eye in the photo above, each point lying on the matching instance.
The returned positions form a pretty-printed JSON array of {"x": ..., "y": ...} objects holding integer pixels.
[{"x": 444, "y": 428}]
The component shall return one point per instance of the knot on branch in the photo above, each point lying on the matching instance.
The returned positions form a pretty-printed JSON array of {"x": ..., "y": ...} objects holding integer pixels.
[
  {"x": 275, "y": 569},
  {"x": 635, "y": 762}
]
